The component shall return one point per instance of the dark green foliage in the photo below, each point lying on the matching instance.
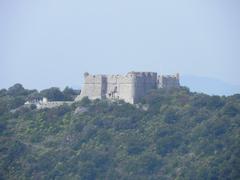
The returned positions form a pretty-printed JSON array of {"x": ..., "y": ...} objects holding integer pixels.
[
  {"x": 135, "y": 145},
  {"x": 14, "y": 97},
  {"x": 85, "y": 101},
  {"x": 182, "y": 135},
  {"x": 53, "y": 94},
  {"x": 69, "y": 94},
  {"x": 167, "y": 144},
  {"x": 3, "y": 92},
  {"x": 16, "y": 90},
  {"x": 231, "y": 109},
  {"x": 34, "y": 96}
]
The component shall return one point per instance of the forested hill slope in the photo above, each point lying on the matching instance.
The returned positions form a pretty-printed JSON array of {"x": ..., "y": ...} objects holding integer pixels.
[{"x": 174, "y": 135}]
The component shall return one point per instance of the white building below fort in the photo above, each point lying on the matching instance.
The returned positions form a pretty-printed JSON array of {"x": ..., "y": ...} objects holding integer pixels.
[{"x": 44, "y": 103}]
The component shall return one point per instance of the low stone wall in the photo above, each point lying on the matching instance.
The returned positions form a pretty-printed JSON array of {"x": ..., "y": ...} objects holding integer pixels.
[{"x": 53, "y": 104}]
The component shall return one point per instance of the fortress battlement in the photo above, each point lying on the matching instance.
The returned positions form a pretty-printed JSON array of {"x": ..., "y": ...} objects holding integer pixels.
[
  {"x": 130, "y": 87},
  {"x": 175, "y": 76}
]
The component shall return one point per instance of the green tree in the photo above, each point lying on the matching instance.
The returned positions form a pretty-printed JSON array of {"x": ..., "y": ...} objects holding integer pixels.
[{"x": 53, "y": 94}]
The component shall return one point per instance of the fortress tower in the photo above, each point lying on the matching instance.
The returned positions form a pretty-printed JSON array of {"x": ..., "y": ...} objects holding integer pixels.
[
  {"x": 168, "y": 81},
  {"x": 130, "y": 88}
]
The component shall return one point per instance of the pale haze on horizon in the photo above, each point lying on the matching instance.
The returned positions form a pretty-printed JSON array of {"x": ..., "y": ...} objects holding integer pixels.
[{"x": 46, "y": 43}]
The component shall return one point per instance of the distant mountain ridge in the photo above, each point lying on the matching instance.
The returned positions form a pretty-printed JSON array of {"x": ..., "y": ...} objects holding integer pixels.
[{"x": 209, "y": 85}]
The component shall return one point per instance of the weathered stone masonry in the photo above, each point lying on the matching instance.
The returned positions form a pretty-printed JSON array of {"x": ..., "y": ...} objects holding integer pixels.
[{"x": 130, "y": 88}]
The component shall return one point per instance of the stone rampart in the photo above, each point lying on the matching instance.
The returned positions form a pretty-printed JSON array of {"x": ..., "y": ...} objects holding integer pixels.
[{"x": 130, "y": 88}]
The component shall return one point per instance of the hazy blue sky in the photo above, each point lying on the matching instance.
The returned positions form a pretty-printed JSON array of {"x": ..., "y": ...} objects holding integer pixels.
[{"x": 47, "y": 43}]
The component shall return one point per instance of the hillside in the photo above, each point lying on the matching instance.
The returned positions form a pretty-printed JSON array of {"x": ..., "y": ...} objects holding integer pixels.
[{"x": 173, "y": 134}]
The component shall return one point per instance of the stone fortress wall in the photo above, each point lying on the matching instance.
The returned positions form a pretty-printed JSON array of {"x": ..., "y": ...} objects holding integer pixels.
[
  {"x": 108, "y": 86},
  {"x": 130, "y": 88},
  {"x": 168, "y": 81}
]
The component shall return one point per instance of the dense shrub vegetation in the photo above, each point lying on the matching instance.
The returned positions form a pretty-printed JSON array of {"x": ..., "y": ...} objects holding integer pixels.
[{"x": 173, "y": 134}]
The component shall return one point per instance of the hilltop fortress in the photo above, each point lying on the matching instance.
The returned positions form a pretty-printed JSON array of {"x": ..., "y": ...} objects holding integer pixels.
[{"x": 130, "y": 88}]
